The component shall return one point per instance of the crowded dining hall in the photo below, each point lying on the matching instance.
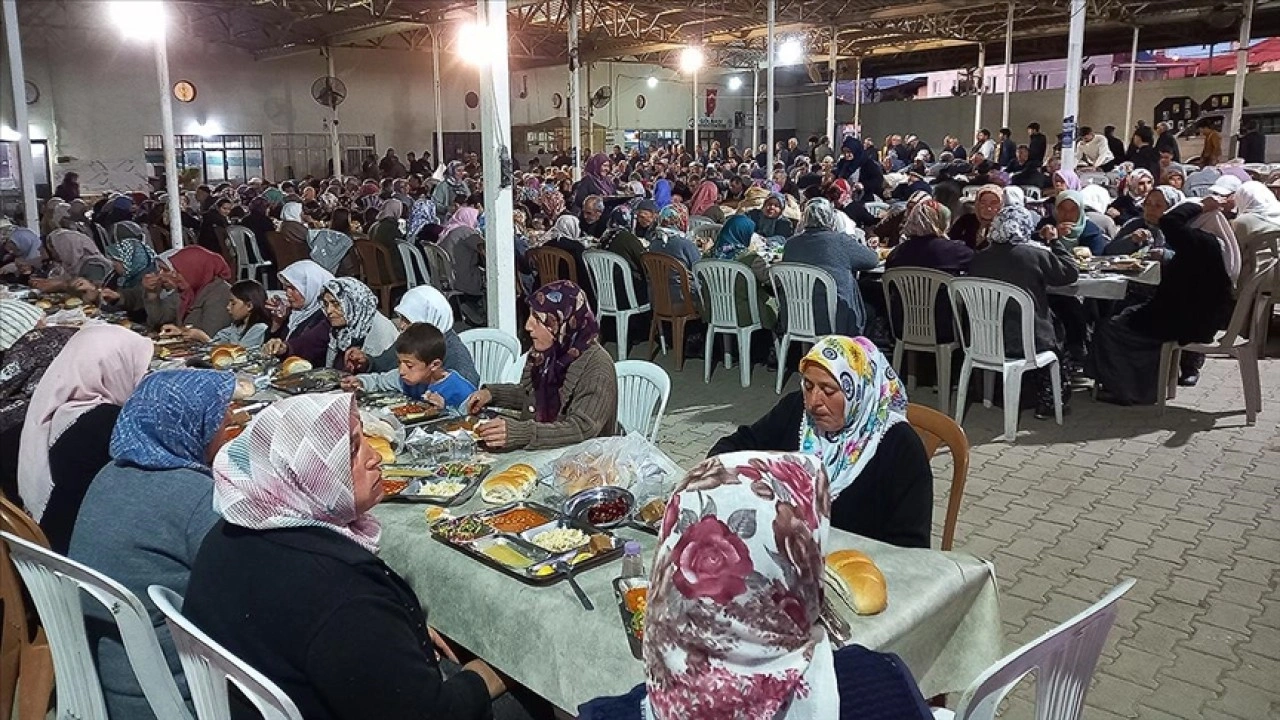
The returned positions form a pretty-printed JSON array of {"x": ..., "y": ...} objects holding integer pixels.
[{"x": 580, "y": 421}]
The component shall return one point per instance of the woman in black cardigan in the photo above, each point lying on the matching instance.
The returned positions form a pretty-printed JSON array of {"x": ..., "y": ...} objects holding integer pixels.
[{"x": 851, "y": 413}]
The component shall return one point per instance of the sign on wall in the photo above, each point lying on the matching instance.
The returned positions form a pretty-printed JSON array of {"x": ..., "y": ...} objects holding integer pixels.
[{"x": 711, "y": 100}]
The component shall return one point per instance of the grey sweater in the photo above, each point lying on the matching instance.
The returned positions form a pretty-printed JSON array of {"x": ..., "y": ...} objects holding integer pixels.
[
  {"x": 844, "y": 258},
  {"x": 588, "y": 404}
]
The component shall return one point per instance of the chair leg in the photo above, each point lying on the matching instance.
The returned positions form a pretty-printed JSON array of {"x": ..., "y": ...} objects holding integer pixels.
[
  {"x": 707, "y": 358},
  {"x": 988, "y": 388},
  {"x": 678, "y": 335},
  {"x": 912, "y": 359},
  {"x": 10, "y": 652},
  {"x": 962, "y": 393},
  {"x": 35, "y": 683},
  {"x": 897, "y": 360},
  {"x": 1055, "y": 378},
  {"x": 1247, "y": 357},
  {"x": 784, "y": 343},
  {"x": 744, "y": 356},
  {"x": 944, "y": 380},
  {"x": 623, "y": 322},
  {"x": 653, "y": 339},
  {"x": 1012, "y": 395}
]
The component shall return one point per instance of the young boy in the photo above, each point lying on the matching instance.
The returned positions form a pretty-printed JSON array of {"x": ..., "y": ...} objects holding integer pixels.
[{"x": 421, "y": 373}]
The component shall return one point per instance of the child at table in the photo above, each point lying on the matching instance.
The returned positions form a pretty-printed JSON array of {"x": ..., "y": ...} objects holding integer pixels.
[
  {"x": 249, "y": 319},
  {"x": 421, "y": 373}
]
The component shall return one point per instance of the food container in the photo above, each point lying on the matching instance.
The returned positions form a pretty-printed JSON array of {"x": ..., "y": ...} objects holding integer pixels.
[
  {"x": 320, "y": 380},
  {"x": 510, "y": 553},
  {"x": 604, "y": 507},
  {"x": 426, "y": 483},
  {"x": 413, "y": 412},
  {"x": 633, "y": 601}
]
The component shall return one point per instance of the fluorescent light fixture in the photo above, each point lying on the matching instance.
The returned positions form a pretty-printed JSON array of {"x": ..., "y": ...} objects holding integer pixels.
[
  {"x": 7, "y": 134},
  {"x": 138, "y": 19},
  {"x": 691, "y": 59}
]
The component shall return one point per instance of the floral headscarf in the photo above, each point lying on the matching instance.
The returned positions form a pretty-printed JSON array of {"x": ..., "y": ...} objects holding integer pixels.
[
  {"x": 674, "y": 216},
  {"x": 1173, "y": 196},
  {"x": 198, "y": 267},
  {"x": 621, "y": 220},
  {"x": 562, "y": 307},
  {"x": 731, "y": 629},
  {"x": 451, "y": 177},
  {"x": 819, "y": 214},
  {"x": 359, "y": 306},
  {"x": 929, "y": 218},
  {"x": 422, "y": 215},
  {"x": 874, "y": 401},
  {"x": 734, "y": 238},
  {"x": 292, "y": 468},
  {"x": 551, "y": 201},
  {"x": 1012, "y": 225},
  {"x": 566, "y": 226},
  {"x": 390, "y": 210},
  {"x": 171, "y": 418},
  {"x": 1014, "y": 197}
]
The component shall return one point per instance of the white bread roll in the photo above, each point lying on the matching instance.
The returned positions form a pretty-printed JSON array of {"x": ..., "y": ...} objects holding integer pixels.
[
  {"x": 854, "y": 578},
  {"x": 293, "y": 365}
]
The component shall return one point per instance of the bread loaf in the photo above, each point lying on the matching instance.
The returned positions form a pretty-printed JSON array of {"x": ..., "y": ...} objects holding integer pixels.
[
  {"x": 510, "y": 485},
  {"x": 854, "y": 579},
  {"x": 383, "y": 447},
  {"x": 224, "y": 357},
  {"x": 293, "y": 365}
]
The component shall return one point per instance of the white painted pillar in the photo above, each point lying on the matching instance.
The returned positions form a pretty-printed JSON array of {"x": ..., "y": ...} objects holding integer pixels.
[
  {"x": 495, "y": 140},
  {"x": 335, "y": 145},
  {"x": 768, "y": 99},
  {"x": 697, "y": 116},
  {"x": 1242, "y": 71},
  {"x": 857, "y": 96},
  {"x": 755, "y": 109},
  {"x": 439, "y": 108},
  {"x": 1071, "y": 93},
  {"x": 1008, "y": 66},
  {"x": 18, "y": 84},
  {"x": 167, "y": 139},
  {"x": 831, "y": 98},
  {"x": 982, "y": 87},
  {"x": 1128, "y": 100},
  {"x": 575, "y": 91}
]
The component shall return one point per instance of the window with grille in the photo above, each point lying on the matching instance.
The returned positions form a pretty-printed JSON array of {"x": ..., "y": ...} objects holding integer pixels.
[{"x": 218, "y": 158}]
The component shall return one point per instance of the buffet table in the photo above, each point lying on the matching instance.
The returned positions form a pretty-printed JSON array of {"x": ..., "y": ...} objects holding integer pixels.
[{"x": 942, "y": 617}]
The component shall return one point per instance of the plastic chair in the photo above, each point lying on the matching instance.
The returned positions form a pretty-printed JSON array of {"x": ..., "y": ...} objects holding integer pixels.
[
  {"x": 375, "y": 263},
  {"x": 515, "y": 370},
  {"x": 877, "y": 207},
  {"x": 935, "y": 430},
  {"x": 1031, "y": 192},
  {"x": 1247, "y": 319},
  {"x": 440, "y": 267},
  {"x": 244, "y": 245},
  {"x": 1063, "y": 660},
  {"x": 794, "y": 285},
  {"x": 415, "y": 266},
  {"x": 329, "y": 247},
  {"x": 26, "y": 662},
  {"x": 658, "y": 271},
  {"x": 985, "y": 302},
  {"x": 719, "y": 280},
  {"x": 549, "y": 260},
  {"x": 492, "y": 350},
  {"x": 704, "y": 236},
  {"x": 643, "y": 391},
  {"x": 209, "y": 667},
  {"x": 55, "y": 584},
  {"x": 969, "y": 193},
  {"x": 601, "y": 266},
  {"x": 286, "y": 251},
  {"x": 918, "y": 290}
]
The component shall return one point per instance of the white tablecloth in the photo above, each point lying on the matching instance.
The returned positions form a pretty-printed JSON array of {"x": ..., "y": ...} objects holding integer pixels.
[{"x": 1109, "y": 285}]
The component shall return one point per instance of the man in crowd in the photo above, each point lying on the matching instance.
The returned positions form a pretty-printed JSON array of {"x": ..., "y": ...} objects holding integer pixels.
[
  {"x": 984, "y": 144},
  {"x": 1092, "y": 151},
  {"x": 1166, "y": 142},
  {"x": 1037, "y": 145},
  {"x": 1008, "y": 149}
]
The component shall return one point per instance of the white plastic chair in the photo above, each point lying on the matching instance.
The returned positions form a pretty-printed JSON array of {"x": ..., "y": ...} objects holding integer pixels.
[
  {"x": 415, "y": 266},
  {"x": 705, "y": 235},
  {"x": 918, "y": 294},
  {"x": 794, "y": 284},
  {"x": 1063, "y": 660},
  {"x": 244, "y": 244},
  {"x": 492, "y": 350},
  {"x": 643, "y": 391},
  {"x": 601, "y": 266},
  {"x": 515, "y": 370},
  {"x": 877, "y": 208},
  {"x": 719, "y": 280},
  {"x": 984, "y": 302},
  {"x": 1031, "y": 192},
  {"x": 1248, "y": 318},
  {"x": 209, "y": 666},
  {"x": 56, "y": 584},
  {"x": 969, "y": 193}
]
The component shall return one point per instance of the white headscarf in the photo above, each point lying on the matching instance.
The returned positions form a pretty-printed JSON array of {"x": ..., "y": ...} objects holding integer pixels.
[
  {"x": 1254, "y": 198},
  {"x": 291, "y": 212},
  {"x": 309, "y": 279},
  {"x": 426, "y": 304}
]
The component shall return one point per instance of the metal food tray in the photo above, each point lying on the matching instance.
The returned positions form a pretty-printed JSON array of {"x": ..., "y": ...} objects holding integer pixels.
[
  {"x": 318, "y": 380},
  {"x": 465, "y": 494},
  {"x": 620, "y": 586},
  {"x": 527, "y": 547}
]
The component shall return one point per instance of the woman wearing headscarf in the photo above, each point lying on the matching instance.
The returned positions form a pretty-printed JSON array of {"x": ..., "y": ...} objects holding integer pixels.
[
  {"x": 148, "y": 510},
  {"x": 551, "y": 202},
  {"x": 461, "y": 238},
  {"x": 1191, "y": 303},
  {"x": 1174, "y": 176},
  {"x": 662, "y": 190},
  {"x": 620, "y": 238},
  {"x": 200, "y": 281},
  {"x": 386, "y": 232},
  {"x": 119, "y": 208},
  {"x": 290, "y": 579},
  {"x": 23, "y": 363},
  {"x": 569, "y": 379},
  {"x": 425, "y": 304},
  {"x": 737, "y": 242},
  {"x": 925, "y": 245},
  {"x": 1257, "y": 222},
  {"x": 851, "y": 414},
  {"x": 421, "y": 215},
  {"x": 706, "y": 202},
  {"x": 132, "y": 256},
  {"x": 819, "y": 244},
  {"x": 70, "y": 419},
  {"x": 1128, "y": 205},
  {"x": 972, "y": 229},
  {"x": 292, "y": 227},
  {"x": 706, "y": 619},
  {"x": 769, "y": 220},
  {"x": 20, "y": 253},
  {"x": 672, "y": 239},
  {"x": 595, "y": 180},
  {"x": 1096, "y": 201},
  {"x": 566, "y": 234},
  {"x": 1071, "y": 226},
  {"x": 301, "y": 327},
  {"x": 77, "y": 257},
  {"x": 1012, "y": 257},
  {"x": 361, "y": 339},
  {"x": 452, "y": 189},
  {"x": 1143, "y": 233}
]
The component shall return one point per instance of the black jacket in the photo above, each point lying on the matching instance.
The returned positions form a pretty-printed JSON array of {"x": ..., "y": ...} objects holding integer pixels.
[
  {"x": 1146, "y": 157},
  {"x": 339, "y": 631},
  {"x": 1193, "y": 300},
  {"x": 1037, "y": 148},
  {"x": 1033, "y": 268},
  {"x": 890, "y": 501},
  {"x": 1253, "y": 147},
  {"x": 1168, "y": 142}
]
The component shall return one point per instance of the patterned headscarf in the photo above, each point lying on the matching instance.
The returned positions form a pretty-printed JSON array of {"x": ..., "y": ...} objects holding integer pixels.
[
  {"x": 17, "y": 318},
  {"x": 1173, "y": 196},
  {"x": 674, "y": 216},
  {"x": 566, "y": 226},
  {"x": 620, "y": 220},
  {"x": 199, "y": 267},
  {"x": 136, "y": 255},
  {"x": 359, "y": 306},
  {"x": 1013, "y": 196},
  {"x": 308, "y": 278},
  {"x": 390, "y": 210},
  {"x": 845, "y": 192},
  {"x": 171, "y": 419},
  {"x": 731, "y": 629},
  {"x": 1012, "y": 225},
  {"x": 929, "y": 218},
  {"x": 1131, "y": 183},
  {"x": 422, "y": 215},
  {"x": 21, "y": 368},
  {"x": 874, "y": 401},
  {"x": 551, "y": 201},
  {"x": 819, "y": 214},
  {"x": 734, "y": 238},
  {"x": 562, "y": 307},
  {"x": 292, "y": 468}
]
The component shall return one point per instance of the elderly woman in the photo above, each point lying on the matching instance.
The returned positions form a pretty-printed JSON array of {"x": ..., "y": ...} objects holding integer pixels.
[
  {"x": 569, "y": 379},
  {"x": 769, "y": 220},
  {"x": 77, "y": 257},
  {"x": 360, "y": 338},
  {"x": 200, "y": 281},
  {"x": 1191, "y": 304},
  {"x": 737, "y": 243},
  {"x": 290, "y": 579},
  {"x": 70, "y": 420},
  {"x": 851, "y": 414},
  {"x": 303, "y": 330},
  {"x": 386, "y": 232},
  {"x": 1143, "y": 233},
  {"x": 819, "y": 244},
  {"x": 706, "y": 202},
  {"x": 451, "y": 191},
  {"x": 621, "y": 238},
  {"x": 461, "y": 238},
  {"x": 148, "y": 510},
  {"x": 21, "y": 253},
  {"x": 291, "y": 225},
  {"x": 1257, "y": 223},
  {"x": 972, "y": 229},
  {"x": 425, "y": 304},
  {"x": 672, "y": 239},
  {"x": 889, "y": 229},
  {"x": 595, "y": 180},
  {"x": 566, "y": 234},
  {"x": 925, "y": 245},
  {"x": 1071, "y": 226},
  {"x": 701, "y": 601}
]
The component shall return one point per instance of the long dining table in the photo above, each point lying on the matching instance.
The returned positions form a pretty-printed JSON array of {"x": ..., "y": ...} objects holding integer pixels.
[{"x": 942, "y": 617}]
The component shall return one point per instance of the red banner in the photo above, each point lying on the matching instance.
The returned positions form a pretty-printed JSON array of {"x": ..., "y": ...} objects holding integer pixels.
[{"x": 711, "y": 101}]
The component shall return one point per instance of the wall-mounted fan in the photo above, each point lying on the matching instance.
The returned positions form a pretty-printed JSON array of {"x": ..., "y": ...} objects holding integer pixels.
[
  {"x": 329, "y": 91},
  {"x": 601, "y": 97}
]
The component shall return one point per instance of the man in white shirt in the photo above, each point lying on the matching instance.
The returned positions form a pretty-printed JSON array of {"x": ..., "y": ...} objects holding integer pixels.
[
  {"x": 1092, "y": 150},
  {"x": 984, "y": 144}
]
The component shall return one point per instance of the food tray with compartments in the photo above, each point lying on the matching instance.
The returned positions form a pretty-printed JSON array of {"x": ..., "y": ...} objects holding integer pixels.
[
  {"x": 319, "y": 380},
  {"x": 507, "y": 539},
  {"x": 446, "y": 484}
]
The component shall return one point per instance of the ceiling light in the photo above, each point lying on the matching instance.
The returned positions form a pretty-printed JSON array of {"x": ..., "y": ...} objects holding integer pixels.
[
  {"x": 138, "y": 19},
  {"x": 790, "y": 52},
  {"x": 735, "y": 83},
  {"x": 652, "y": 82},
  {"x": 691, "y": 59}
]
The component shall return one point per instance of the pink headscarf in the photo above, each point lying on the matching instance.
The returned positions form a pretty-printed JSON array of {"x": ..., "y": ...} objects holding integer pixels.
[
  {"x": 464, "y": 216},
  {"x": 292, "y": 468},
  {"x": 704, "y": 197},
  {"x": 101, "y": 364}
]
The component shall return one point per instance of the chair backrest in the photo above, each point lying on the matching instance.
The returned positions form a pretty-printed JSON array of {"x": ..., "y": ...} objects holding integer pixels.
[
  {"x": 55, "y": 584},
  {"x": 918, "y": 292},
  {"x": 16, "y": 616},
  {"x": 719, "y": 280},
  {"x": 245, "y": 246},
  {"x": 659, "y": 269},
  {"x": 969, "y": 193},
  {"x": 1030, "y": 192},
  {"x": 936, "y": 430},
  {"x": 643, "y": 390},
  {"x": 329, "y": 247},
  {"x": 515, "y": 370},
  {"x": 492, "y": 350},
  {"x": 705, "y": 234},
  {"x": 794, "y": 284},
  {"x": 1243, "y": 321},
  {"x": 983, "y": 302},
  {"x": 877, "y": 207},
  {"x": 1063, "y": 660},
  {"x": 601, "y": 265},
  {"x": 441, "y": 267},
  {"x": 375, "y": 263},
  {"x": 100, "y": 236},
  {"x": 208, "y": 667},
  {"x": 415, "y": 266},
  {"x": 286, "y": 251},
  {"x": 549, "y": 262}
]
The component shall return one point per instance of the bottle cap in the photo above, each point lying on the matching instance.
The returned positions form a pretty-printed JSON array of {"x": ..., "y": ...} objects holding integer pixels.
[{"x": 631, "y": 548}]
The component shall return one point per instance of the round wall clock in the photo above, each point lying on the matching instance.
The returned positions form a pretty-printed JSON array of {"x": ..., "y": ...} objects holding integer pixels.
[
  {"x": 640, "y": 102},
  {"x": 556, "y": 101},
  {"x": 472, "y": 100},
  {"x": 32, "y": 92},
  {"x": 184, "y": 91}
]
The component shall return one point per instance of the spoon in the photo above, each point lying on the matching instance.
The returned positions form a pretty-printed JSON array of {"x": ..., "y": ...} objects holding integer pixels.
[{"x": 565, "y": 567}]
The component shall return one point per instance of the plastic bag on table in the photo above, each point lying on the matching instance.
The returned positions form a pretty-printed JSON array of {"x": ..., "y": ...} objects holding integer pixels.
[{"x": 630, "y": 462}]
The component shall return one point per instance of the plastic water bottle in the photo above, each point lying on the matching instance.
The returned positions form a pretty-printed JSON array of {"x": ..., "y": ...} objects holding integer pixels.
[{"x": 632, "y": 563}]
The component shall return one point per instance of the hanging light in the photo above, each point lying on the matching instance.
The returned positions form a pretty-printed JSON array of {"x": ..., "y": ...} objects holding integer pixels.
[
  {"x": 735, "y": 83},
  {"x": 138, "y": 19},
  {"x": 652, "y": 82},
  {"x": 476, "y": 39},
  {"x": 691, "y": 59},
  {"x": 790, "y": 52}
]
